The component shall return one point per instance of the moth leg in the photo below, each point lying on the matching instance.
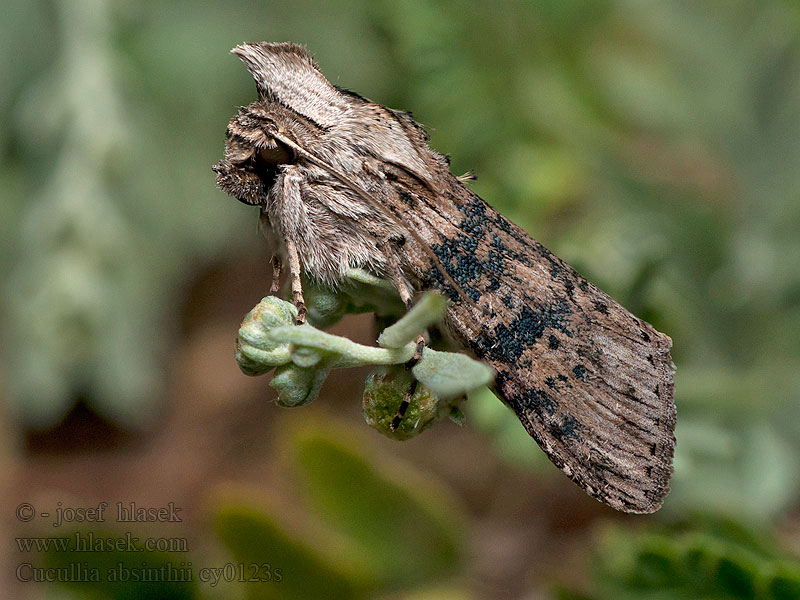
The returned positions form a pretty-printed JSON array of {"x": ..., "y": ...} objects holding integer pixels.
[
  {"x": 406, "y": 296},
  {"x": 297, "y": 286},
  {"x": 397, "y": 277},
  {"x": 412, "y": 387},
  {"x": 401, "y": 411},
  {"x": 408, "y": 299},
  {"x": 277, "y": 267}
]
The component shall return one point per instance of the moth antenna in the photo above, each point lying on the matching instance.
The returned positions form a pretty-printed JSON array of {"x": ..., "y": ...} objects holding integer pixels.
[{"x": 353, "y": 186}]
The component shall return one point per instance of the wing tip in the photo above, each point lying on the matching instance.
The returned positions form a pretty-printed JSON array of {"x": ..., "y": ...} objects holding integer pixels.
[
  {"x": 650, "y": 478},
  {"x": 662, "y": 469}
]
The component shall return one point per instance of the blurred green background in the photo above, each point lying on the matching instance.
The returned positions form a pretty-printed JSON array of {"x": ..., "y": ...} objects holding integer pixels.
[{"x": 653, "y": 145}]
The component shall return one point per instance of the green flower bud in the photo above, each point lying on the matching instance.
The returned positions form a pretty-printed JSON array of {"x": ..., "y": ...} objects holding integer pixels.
[
  {"x": 384, "y": 392},
  {"x": 256, "y": 353},
  {"x": 297, "y": 386},
  {"x": 324, "y": 306},
  {"x": 304, "y": 355}
]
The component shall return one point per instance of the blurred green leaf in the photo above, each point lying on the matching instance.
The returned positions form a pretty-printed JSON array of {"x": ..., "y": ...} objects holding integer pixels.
[
  {"x": 408, "y": 529},
  {"x": 299, "y": 569},
  {"x": 370, "y": 529}
]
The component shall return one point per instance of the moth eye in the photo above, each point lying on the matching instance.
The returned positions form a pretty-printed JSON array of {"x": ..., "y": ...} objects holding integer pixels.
[{"x": 280, "y": 154}]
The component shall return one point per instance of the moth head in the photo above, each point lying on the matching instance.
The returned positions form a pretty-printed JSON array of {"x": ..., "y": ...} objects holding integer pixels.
[
  {"x": 285, "y": 75},
  {"x": 253, "y": 157}
]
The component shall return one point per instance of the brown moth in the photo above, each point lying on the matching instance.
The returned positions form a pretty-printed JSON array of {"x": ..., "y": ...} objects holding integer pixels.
[{"x": 344, "y": 183}]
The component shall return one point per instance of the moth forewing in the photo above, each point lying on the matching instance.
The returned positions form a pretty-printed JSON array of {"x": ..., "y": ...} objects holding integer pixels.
[
  {"x": 589, "y": 381},
  {"x": 359, "y": 187}
]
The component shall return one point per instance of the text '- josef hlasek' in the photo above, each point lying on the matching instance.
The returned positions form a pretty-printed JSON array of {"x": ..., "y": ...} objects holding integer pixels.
[{"x": 121, "y": 512}]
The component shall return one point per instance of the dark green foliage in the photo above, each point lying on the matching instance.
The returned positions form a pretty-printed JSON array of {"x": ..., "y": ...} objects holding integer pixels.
[
  {"x": 699, "y": 560},
  {"x": 119, "y": 570}
]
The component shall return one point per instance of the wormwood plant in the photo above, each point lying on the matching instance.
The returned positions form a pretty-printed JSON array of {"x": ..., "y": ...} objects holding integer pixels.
[{"x": 303, "y": 355}]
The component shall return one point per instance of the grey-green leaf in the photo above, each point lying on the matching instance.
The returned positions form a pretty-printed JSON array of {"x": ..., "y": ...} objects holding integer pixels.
[
  {"x": 426, "y": 312},
  {"x": 449, "y": 374}
]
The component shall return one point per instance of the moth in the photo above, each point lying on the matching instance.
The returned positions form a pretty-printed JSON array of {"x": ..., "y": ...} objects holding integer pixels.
[{"x": 342, "y": 182}]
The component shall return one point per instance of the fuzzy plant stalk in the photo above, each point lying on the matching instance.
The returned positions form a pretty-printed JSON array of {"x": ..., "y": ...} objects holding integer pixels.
[
  {"x": 73, "y": 309},
  {"x": 302, "y": 356}
]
